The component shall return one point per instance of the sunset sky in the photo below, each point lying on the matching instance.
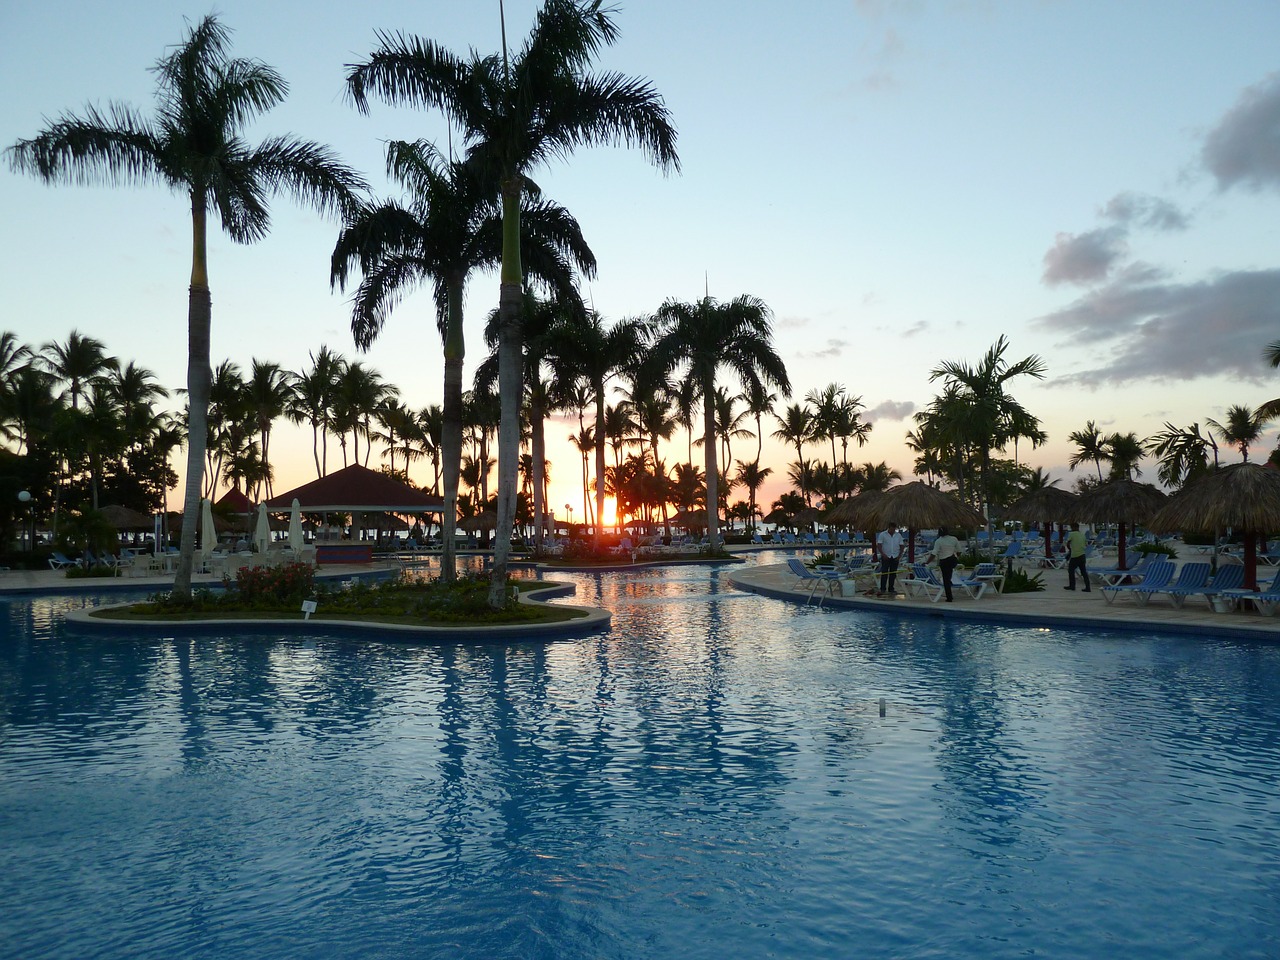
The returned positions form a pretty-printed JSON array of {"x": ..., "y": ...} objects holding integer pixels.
[{"x": 901, "y": 182}]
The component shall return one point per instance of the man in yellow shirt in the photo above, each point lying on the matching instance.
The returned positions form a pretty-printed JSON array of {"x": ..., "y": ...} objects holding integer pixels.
[{"x": 1076, "y": 547}]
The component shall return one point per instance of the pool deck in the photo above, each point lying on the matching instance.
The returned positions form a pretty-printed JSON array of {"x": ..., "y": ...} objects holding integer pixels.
[{"x": 1052, "y": 607}]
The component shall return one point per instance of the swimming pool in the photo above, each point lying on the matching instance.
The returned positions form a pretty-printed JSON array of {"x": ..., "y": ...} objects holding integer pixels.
[{"x": 713, "y": 777}]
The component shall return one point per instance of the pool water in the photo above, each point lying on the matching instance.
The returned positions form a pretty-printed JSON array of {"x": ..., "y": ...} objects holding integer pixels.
[{"x": 719, "y": 775}]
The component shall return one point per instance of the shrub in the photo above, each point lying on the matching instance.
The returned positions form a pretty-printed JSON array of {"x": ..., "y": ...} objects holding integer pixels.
[
  {"x": 1161, "y": 548},
  {"x": 275, "y": 586},
  {"x": 1019, "y": 581}
]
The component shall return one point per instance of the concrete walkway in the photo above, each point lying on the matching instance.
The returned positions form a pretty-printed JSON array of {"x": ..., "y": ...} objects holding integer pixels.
[
  {"x": 57, "y": 581},
  {"x": 1054, "y": 607}
]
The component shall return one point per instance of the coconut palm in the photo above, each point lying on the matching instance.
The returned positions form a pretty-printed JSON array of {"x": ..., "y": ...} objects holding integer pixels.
[
  {"x": 79, "y": 363},
  {"x": 795, "y": 426},
  {"x": 700, "y": 338},
  {"x": 1090, "y": 445},
  {"x": 268, "y": 393},
  {"x": 752, "y": 476},
  {"x": 194, "y": 146},
  {"x": 312, "y": 402},
  {"x": 451, "y": 226},
  {"x": 1183, "y": 455},
  {"x": 1243, "y": 427},
  {"x": 515, "y": 114},
  {"x": 1124, "y": 450},
  {"x": 987, "y": 416}
]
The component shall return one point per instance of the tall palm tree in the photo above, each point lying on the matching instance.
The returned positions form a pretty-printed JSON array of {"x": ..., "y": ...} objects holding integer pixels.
[
  {"x": 268, "y": 393},
  {"x": 1124, "y": 450},
  {"x": 1090, "y": 445},
  {"x": 702, "y": 337},
  {"x": 752, "y": 476},
  {"x": 515, "y": 114},
  {"x": 988, "y": 416},
  {"x": 314, "y": 392},
  {"x": 451, "y": 226},
  {"x": 1243, "y": 427},
  {"x": 79, "y": 362},
  {"x": 1182, "y": 455},
  {"x": 795, "y": 426},
  {"x": 194, "y": 145}
]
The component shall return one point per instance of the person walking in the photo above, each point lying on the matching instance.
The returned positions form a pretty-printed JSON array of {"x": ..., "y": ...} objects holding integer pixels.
[
  {"x": 889, "y": 549},
  {"x": 946, "y": 551},
  {"x": 1076, "y": 546}
]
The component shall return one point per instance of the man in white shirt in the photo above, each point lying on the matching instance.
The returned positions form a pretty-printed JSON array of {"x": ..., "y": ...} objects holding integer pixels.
[
  {"x": 889, "y": 550},
  {"x": 945, "y": 550}
]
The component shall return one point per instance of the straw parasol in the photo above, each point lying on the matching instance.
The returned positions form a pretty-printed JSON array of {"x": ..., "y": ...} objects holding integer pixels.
[
  {"x": 485, "y": 520},
  {"x": 1118, "y": 501},
  {"x": 1243, "y": 496},
  {"x": 1044, "y": 506},
  {"x": 126, "y": 518},
  {"x": 850, "y": 512},
  {"x": 917, "y": 506}
]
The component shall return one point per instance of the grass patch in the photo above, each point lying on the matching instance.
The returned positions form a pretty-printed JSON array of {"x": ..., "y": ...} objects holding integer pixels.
[{"x": 278, "y": 593}]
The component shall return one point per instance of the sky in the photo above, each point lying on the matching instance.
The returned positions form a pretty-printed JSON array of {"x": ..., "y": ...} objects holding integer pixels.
[{"x": 901, "y": 182}]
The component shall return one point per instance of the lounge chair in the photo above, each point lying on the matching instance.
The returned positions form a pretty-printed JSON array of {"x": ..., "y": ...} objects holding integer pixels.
[
  {"x": 60, "y": 561},
  {"x": 805, "y": 577},
  {"x": 924, "y": 580},
  {"x": 1155, "y": 579},
  {"x": 1111, "y": 576},
  {"x": 988, "y": 574},
  {"x": 1192, "y": 579},
  {"x": 1266, "y": 596},
  {"x": 757, "y": 540},
  {"x": 1227, "y": 582}
]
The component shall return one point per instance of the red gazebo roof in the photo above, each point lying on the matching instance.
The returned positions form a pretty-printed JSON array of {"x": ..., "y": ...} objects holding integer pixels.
[
  {"x": 233, "y": 501},
  {"x": 357, "y": 489}
]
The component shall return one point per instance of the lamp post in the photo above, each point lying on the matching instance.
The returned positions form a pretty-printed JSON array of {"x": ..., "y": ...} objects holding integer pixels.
[
  {"x": 28, "y": 529},
  {"x": 569, "y": 509}
]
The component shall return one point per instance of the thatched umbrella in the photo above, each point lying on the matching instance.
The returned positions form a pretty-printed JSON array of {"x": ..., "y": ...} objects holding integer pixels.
[
  {"x": 917, "y": 506},
  {"x": 482, "y": 522},
  {"x": 126, "y": 518},
  {"x": 852, "y": 512},
  {"x": 1118, "y": 501},
  {"x": 1044, "y": 506},
  {"x": 1243, "y": 496}
]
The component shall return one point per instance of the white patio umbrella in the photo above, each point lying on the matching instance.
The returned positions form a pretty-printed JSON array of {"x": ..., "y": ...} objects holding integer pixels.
[
  {"x": 295, "y": 526},
  {"x": 262, "y": 532},
  {"x": 208, "y": 536}
]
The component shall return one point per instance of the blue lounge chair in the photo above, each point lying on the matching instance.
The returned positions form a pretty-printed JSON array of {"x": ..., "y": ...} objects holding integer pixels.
[
  {"x": 1111, "y": 576},
  {"x": 989, "y": 575},
  {"x": 1192, "y": 579},
  {"x": 1227, "y": 582},
  {"x": 829, "y": 579},
  {"x": 1156, "y": 578},
  {"x": 1266, "y": 596},
  {"x": 924, "y": 580},
  {"x": 60, "y": 561}
]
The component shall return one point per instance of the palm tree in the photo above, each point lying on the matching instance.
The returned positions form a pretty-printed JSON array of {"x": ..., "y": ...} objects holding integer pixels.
[
  {"x": 795, "y": 426},
  {"x": 195, "y": 147},
  {"x": 752, "y": 476},
  {"x": 593, "y": 354},
  {"x": 1183, "y": 455},
  {"x": 702, "y": 337},
  {"x": 312, "y": 402},
  {"x": 515, "y": 114},
  {"x": 1124, "y": 450},
  {"x": 988, "y": 417},
  {"x": 79, "y": 363},
  {"x": 451, "y": 227},
  {"x": 1243, "y": 427},
  {"x": 268, "y": 393},
  {"x": 1090, "y": 445}
]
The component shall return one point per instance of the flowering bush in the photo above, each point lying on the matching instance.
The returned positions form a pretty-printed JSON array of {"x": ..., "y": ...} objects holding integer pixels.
[{"x": 273, "y": 586}]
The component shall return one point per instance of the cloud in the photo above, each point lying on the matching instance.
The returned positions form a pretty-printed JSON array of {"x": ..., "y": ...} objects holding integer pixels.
[
  {"x": 1172, "y": 332},
  {"x": 1143, "y": 210},
  {"x": 890, "y": 410},
  {"x": 920, "y": 326},
  {"x": 1244, "y": 148},
  {"x": 1092, "y": 257},
  {"x": 1084, "y": 257},
  {"x": 834, "y": 348}
]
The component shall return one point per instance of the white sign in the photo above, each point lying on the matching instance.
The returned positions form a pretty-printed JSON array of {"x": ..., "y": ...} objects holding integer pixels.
[{"x": 308, "y": 608}]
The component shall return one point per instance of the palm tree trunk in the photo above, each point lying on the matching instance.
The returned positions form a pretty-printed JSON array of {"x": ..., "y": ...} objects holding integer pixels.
[
  {"x": 199, "y": 320},
  {"x": 538, "y": 449},
  {"x": 600, "y": 441},
  {"x": 712, "y": 468},
  {"x": 510, "y": 375},
  {"x": 451, "y": 434}
]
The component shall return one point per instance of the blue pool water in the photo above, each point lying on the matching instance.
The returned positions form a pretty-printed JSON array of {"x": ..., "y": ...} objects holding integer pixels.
[{"x": 711, "y": 778}]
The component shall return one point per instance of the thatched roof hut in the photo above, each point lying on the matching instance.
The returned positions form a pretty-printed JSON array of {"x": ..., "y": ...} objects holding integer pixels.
[
  {"x": 1243, "y": 496},
  {"x": 1044, "y": 506},
  {"x": 916, "y": 506},
  {"x": 1118, "y": 501}
]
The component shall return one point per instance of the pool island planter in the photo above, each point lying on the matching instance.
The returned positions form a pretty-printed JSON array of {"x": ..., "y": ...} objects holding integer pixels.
[
  {"x": 592, "y": 621},
  {"x": 335, "y": 553}
]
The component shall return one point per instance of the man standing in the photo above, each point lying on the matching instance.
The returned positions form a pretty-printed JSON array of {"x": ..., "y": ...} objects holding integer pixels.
[
  {"x": 889, "y": 547},
  {"x": 1076, "y": 546},
  {"x": 945, "y": 550}
]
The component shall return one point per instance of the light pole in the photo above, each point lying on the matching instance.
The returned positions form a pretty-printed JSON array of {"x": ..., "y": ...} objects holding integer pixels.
[
  {"x": 569, "y": 507},
  {"x": 28, "y": 529}
]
